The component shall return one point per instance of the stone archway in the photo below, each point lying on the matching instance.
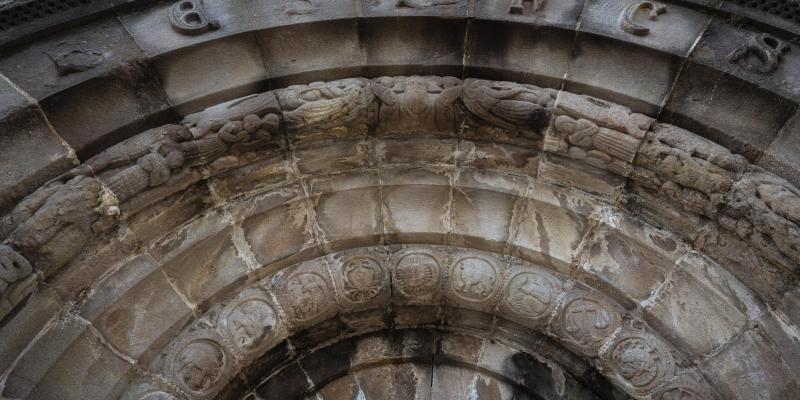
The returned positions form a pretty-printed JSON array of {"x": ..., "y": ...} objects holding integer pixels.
[{"x": 406, "y": 237}]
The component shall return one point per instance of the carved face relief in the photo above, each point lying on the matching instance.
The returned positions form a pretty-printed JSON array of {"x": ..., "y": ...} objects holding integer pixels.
[
  {"x": 249, "y": 324},
  {"x": 474, "y": 278},
  {"x": 363, "y": 279},
  {"x": 199, "y": 365},
  {"x": 531, "y": 294},
  {"x": 586, "y": 322},
  {"x": 307, "y": 294},
  {"x": 417, "y": 274}
]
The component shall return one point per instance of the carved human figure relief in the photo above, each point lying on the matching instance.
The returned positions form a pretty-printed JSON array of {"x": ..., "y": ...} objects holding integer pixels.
[
  {"x": 189, "y": 18},
  {"x": 363, "y": 279},
  {"x": 525, "y": 7},
  {"x": 307, "y": 294},
  {"x": 473, "y": 278},
  {"x": 531, "y": 294},
  {"x": 586, "y": 321},
  {"x": 761, "y": 53},
  {"x": 199, "y": 365},
  {"x": 417, "y": 103},
  {"x": 249, "y": 324},
  {"x": 418, "y": 274},
  {"x": 640, "y": 360},
  {"x": 627, "y": 19}
]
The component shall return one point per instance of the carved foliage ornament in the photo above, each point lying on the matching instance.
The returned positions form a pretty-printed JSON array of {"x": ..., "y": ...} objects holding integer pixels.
[
  {"x": 761, "y": 53},
  {"x": 627, "y": 19},
  {"x": 189, "y": 18}
]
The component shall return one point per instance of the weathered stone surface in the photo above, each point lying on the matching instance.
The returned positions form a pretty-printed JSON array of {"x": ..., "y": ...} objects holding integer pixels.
[
  {"x": 341, "y": 224},
  {"x": 779, "y": 157},
  {"x": 416, "y": 204}
]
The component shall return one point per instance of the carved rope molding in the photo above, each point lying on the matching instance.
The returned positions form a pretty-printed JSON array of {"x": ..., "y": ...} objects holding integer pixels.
[{"x": 51, "y": 225}]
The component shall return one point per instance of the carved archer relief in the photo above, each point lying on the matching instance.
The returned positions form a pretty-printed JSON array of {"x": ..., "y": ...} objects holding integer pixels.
[
  {"x": 627, "y": 19},
  {"x": 189, "y": 18},
  {"x": 417, "y": 104},
  {"x": 761, "y": 53}
]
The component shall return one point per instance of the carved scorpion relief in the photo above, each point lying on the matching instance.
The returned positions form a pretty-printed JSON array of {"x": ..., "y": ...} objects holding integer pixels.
[
  {"x": 363, "y": 279},
  {"x": 761, "y": 53},
  {"x": 473, "y": 279},
  {"x": 417, "y": 275},
  {"x": 525, "y": 7},
  {"x": 189, "y": 18},
  {"x": 627, "y": 20}
]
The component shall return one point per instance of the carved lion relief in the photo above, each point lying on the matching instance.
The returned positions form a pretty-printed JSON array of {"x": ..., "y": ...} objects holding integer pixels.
[{"x": 474, "y": 279}]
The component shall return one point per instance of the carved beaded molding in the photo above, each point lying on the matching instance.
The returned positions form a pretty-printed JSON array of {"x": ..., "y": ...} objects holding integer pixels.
[{"x": 624, "y": 154}]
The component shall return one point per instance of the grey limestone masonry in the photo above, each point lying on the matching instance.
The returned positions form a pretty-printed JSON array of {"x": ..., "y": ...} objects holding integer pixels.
[{"x": 399, "y": 199}]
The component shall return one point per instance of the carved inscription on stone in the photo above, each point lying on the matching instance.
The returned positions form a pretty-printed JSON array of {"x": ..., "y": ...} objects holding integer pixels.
[
  {"x": 363, "y": 279},
  {"x": 525, "y": 7},
  {"x": 627, "y": 20},
  {"x": 250, "y": 322},
  {"x": 639, "y": 360},
  {"x": 417, "y": 275},
  {"x": 307, "y": 294},
  {"x": 189, "y": 18},
  {"x": 417, "y": 104},
  {"x": 531, "y": 294},
  {"x": 199, "y": 365},
  {"x": 761, "y": 53},
  {"x": 586, "y": 320},
  {"x": 473, "y": 278}
]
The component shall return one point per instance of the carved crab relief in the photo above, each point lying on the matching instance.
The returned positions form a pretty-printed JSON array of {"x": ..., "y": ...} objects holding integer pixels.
[
  {"x": 473, "y": 279},
  {"x": 308, "y": 296},
  {"x": 417, "y": 104},
  {"x": 761, "y": 53},
  {"x": 531, "y": 294},
  {"x": 250, "y": 323},
  {"x": 585, "y": 321},
  {"x": 189, "y": 18},
  {"x": 627, "y": 20},
  {"x": 199, "y": 365},
  {"x": 417, "y": 275},
  {"x": 639, "y": 360},
  {"x": 363, "y": 279}
]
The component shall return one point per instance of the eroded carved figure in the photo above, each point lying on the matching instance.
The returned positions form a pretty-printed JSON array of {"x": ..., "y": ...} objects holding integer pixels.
[
  {"x": 51, "y": 225},
  {"x": 599, "y": 133},
  {"x": 510, "y": 106},
  {"x": 17, "y": 279},
  {"x": 417, "y": 104},
  {"x": 425, "y": 3},
  {"x": 686, "y": 168},
  {"x": 765, "y": 210},
  {"x": 320, "y": 106},
  {"x": 199, "y": 365},
  {"x": 307, "y": 294},
  {"x": 70, "y": 58}
]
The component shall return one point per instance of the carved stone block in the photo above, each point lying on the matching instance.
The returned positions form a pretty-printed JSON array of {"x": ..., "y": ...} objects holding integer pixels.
[{"x": 417, "y": 104}]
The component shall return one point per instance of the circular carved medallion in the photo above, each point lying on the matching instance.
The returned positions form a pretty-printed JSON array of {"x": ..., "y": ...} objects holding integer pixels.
[
  {"x": 249, "y": 324},
  {"x": 587, "y": 322},
  {"x": 363, "y": 279},
  {"x": 307, "y": 294},
  {"x": 417, "y": 274},
  {"x": 199, "y": 365},
  {"x": 531, "y": 294},
  {"x": 474, "y": 278},
  {"x": 640, "y": 360}
]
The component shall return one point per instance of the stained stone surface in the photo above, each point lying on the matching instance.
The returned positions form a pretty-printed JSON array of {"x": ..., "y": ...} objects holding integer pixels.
[{"x": 432, "y": 199}]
